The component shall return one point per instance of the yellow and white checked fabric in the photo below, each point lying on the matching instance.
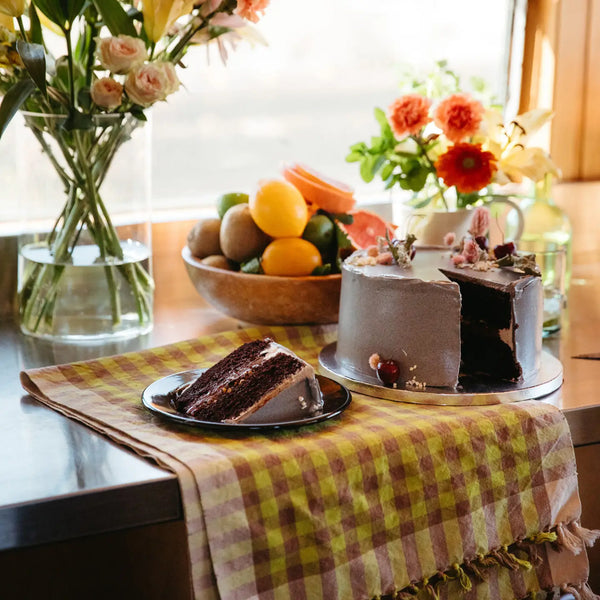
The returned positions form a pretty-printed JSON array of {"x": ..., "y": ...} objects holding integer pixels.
[{"x": 388, "y": 499}]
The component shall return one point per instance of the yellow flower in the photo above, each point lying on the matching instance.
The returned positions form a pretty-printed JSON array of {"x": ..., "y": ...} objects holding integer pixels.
[
  {"x": 508, "y": 144},
  {"x": 7, "y": 22},
  {"x": 12, "y": 8},
  {"x": 159, "y": 15}
]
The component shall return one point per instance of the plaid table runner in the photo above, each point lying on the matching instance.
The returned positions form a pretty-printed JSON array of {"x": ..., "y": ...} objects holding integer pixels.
[{"x": 388, "y": 500}]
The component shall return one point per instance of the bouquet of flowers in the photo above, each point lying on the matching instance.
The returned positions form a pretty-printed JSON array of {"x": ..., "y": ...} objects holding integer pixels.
[
  {"x": 452, "y": 150},
  {"x": 118, "y": 58}
]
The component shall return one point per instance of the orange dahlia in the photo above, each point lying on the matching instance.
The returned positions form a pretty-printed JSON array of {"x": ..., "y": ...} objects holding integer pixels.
[
  {"x": 467, "y": 167},
  {"x": 459, "y": 116},
  {"x": 409, "y": 114},
  {"x": 250, "y": 9}
]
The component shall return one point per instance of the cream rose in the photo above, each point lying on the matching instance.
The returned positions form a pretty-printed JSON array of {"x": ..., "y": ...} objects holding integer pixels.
[
  {"x": 121, "y": 54},
  {"x": 107, "y": 93},
  {"x": 151, "y": 82}
]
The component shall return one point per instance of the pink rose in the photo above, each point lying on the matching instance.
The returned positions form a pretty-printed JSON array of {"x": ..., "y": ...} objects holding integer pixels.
[
  {"x": 151, "y": 82},
  {"x": 120, "y": 54},
  {"x": 107, "y": 93},
  {"x": 458, "y": 259},
  {"x": 250, "y": 9}
]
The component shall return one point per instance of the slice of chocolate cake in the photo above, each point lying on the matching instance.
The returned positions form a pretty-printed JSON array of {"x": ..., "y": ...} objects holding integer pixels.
[{"x": 261, "y": 381}]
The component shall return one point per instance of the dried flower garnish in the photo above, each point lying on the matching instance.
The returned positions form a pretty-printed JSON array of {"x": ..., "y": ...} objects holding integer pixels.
[{"x": 522, "y": 262}]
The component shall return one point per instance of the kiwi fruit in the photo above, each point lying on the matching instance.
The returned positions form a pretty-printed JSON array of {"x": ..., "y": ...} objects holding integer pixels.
[
  {"x": 240, "y": 237},
  {"x": 203, "y": 239}
]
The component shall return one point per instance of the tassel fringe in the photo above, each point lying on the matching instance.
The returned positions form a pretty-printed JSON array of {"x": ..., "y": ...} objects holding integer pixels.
[{"x": 522, "y": 555}]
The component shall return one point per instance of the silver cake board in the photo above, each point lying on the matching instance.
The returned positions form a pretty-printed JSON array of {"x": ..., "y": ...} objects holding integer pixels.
[{"x": 472, "y": 390}]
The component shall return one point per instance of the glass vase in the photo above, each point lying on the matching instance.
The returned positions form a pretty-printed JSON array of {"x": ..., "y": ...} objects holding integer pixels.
[{"x": 85, "y": 260}]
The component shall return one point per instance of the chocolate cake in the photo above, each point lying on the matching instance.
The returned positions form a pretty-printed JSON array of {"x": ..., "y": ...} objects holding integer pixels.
[
  {"x": 437, "y": 321},
  {"x": 261, "y": 381}
]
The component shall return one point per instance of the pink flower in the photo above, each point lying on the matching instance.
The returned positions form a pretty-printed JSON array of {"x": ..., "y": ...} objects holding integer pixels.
[
  {"x": 385, "y": 258},
  {"x": 458, "y": 116},
  {"x": 458, "y": 259},
  {"x": 480, "y": 221},
  {"x": 449, "y": 238},
  {"x": 120, "y": 54},
  {"x": 151, "y": 82},
  {"x": 249, "y": 9},
  {"x": 107, "y": 93},
  {"x": 409, "y": 114},
  {"x": 471, "y": 250},
  {"x": 374, "y": 360}
]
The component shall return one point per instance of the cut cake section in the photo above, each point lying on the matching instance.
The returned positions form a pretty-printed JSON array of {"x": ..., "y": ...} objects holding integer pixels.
[{"x": 261, "y": 381}]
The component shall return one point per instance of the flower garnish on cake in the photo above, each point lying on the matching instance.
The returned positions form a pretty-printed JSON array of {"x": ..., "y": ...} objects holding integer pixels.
[
  {"x": 387, "y": 251},
  {"x": 472, "y": 251}
]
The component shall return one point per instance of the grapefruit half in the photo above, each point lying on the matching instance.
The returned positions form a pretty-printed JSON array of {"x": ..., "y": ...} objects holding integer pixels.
[
  {"x": 320, "y": 191},
  {"x": 366, "y": 228}
]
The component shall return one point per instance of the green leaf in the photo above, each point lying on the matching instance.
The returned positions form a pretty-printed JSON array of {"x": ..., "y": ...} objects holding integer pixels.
[
  {"x": 387, "y": 170},
  {"x": 366, "y": 168},
  {"x": 35, "y": 27},
  {"x": 13, "y": 100},
  {"x": 115, "y": 17},
  {"x": 354, "y": 157},
  {"x": 322, "y": 269},
  {"x": 78, "y": 120},
  {"x": 252, "y": 266},
  {"x": 34, "y": 59},
  {"x": 61, "y": 12}
]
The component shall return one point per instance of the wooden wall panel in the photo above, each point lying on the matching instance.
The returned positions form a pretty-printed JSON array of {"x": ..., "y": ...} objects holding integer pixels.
[
  {"x": 590, "y": 147},
  {"x": 561, "y": 70}
]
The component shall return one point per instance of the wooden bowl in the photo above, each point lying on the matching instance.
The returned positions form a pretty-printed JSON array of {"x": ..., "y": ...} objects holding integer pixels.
[{"x": 266, "y": 299}]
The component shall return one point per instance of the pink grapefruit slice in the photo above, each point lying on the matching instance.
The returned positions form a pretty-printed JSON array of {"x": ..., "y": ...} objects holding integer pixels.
[{"x": 320, "y": 191}]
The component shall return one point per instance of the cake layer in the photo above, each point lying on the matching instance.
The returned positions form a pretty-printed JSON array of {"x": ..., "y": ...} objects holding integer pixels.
[{"x": 254, "y": 376}]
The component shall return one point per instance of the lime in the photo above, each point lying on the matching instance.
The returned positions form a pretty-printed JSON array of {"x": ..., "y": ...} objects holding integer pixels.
[
  {"x": 226, "y": 201},
  {"x": 320, "y": 231}
]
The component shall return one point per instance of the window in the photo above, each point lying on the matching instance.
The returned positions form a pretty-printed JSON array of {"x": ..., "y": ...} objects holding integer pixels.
[{"x": 305, "y": 97}]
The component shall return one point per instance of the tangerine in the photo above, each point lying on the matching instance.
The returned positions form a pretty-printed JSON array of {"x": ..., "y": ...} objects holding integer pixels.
[
  {"x": 293, "y": 257},
  {"x": 366, "y": 228},
  {"x": 279, "y": 209}
]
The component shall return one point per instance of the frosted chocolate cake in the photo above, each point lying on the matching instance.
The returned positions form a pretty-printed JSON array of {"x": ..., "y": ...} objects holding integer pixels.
[
  {"x": 425, "y": 322},
  {"x": 259, "y": 382}
]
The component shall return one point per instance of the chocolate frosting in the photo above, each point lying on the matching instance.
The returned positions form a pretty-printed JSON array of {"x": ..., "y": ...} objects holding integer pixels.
[{"x": 412, "y": 315}]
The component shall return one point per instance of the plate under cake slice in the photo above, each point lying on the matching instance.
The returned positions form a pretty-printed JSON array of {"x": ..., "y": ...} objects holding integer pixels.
[{"x": 261, "y": 381}]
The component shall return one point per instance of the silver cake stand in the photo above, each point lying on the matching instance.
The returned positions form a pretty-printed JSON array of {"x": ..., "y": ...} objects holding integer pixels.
[{"x": 472, "y": 390}]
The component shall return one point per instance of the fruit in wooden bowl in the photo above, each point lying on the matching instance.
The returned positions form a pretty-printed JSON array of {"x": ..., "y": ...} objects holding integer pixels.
[{"x": 265, "y": 299}]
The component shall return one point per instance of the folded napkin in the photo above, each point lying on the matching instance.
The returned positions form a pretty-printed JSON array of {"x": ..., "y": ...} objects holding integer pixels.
[{"x": 389, "y": 499}]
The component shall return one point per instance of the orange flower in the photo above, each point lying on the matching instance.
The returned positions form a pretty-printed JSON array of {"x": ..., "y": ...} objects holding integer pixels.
[
  {"x": 459, "y": 116},
  {"x": 409, "y": 114},
  {"x": 467, "y": 167},
  {"x": 249, "y": 9}
]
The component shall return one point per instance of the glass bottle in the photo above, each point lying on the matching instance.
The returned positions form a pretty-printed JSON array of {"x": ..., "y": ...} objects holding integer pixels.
[{"x": 546, "y": 226}]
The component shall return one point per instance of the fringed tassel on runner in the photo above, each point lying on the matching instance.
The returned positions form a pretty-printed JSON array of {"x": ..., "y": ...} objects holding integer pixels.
[
  {"x": 587, "y": 536},
  {"x": 567, "y": 535},
  {"x": 567, "y": 539},
  {"x": 581, "y": 591}
]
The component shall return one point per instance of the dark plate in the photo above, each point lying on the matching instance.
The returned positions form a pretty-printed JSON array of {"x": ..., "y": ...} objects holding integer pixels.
[{"x": 155, "y": 398}]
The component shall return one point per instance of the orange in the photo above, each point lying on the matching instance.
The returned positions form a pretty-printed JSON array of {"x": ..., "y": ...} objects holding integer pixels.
[
  {"x": 292, "y": 257},
  {"x": 366, "y": 228},
  {"x": 279, "y": 209},
  {"x": 320, "y": 191}
]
